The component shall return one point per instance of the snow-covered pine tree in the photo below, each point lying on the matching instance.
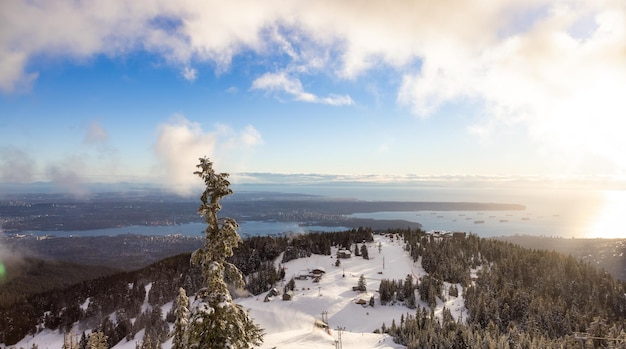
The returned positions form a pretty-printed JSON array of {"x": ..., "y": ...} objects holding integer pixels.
[
  {"x": 365, "y": 252},
  {"x": 147, "y": 342},
  {"x": 83, "y": 341},
  {"x": 362, "y": 285},
  {"x": 216, "y": 321},
  {"x": 182, "y": 320},
  {"x": 97, "y": 340},
  {"x": 69, "y": 341}
]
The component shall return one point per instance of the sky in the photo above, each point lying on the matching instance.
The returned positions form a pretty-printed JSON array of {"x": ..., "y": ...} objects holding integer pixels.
[{"x": 115, "y": 91}]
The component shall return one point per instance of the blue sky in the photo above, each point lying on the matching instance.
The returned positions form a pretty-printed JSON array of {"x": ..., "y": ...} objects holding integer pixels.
[{"x": 110, "y": 91}]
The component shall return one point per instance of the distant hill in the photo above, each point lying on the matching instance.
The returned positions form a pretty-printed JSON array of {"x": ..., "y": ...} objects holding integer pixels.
[
  {"x": 28, "y": 276},
  {"x": 607, "y": 254},
  {"x": 124, "y": 252}
]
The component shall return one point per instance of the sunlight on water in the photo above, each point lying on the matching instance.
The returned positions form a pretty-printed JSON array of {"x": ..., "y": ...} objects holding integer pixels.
[{"x": 608, "y": 222}]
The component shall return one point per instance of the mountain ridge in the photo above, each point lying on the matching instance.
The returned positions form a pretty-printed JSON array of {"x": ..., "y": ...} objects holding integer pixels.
[{"x": 445, "y": 269}]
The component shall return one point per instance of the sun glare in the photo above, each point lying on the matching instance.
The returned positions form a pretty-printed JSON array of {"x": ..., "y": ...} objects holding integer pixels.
[
  {"x": 609, "y": 220},
  {"x": 3, "y": 272}
]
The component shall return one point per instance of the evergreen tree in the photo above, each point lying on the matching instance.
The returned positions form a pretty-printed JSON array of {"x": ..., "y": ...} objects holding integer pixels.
[
  {"x": 83, "y": 341},
  {"x": 182, "y": 319},
  {"x": 97, "y": 340},
  {"x": 453, "y": 291},
  {"x": 215, "y": 320},
  {"x": 362, "y": 286},
  {"x": 385, "y": 291},
  {"x": 69, "y": 341},
  {"x": 364, "y": 252},
  {"x": 291, "y": 285},
  {"x": 147, "y": 342},
  {"x": 123, "y": 326},
  {"x": 409, "y": 292}
]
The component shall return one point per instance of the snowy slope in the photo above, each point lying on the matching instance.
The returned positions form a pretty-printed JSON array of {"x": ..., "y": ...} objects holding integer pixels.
[{"x": 291, "y": 324}]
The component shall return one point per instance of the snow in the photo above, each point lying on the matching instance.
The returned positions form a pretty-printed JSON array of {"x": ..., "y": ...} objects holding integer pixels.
[
  {"x": 290, "y": 324},
  {"x": 43, "y": 339},
  {"x": 85, "y": 304},
  {"x": 146, "y": 305}
]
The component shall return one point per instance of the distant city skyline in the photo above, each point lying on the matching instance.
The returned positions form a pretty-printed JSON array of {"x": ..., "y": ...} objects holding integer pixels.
[{"x": 112, "y": 91}]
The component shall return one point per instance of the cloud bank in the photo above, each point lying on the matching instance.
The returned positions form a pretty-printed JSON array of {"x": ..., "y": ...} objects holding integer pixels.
[
  {"x": 91, "y": 156},
  {"x": 180, "y": 143},
  {"x": 16, "y": 166},
  {"x": 488, "y": 182},
  {"x": 555, "y": 68},
  {"x": 68, "y": 176}
]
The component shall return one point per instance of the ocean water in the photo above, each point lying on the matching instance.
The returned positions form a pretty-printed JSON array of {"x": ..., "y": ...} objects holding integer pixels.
[
  {"x": 549, "y": 211},
  {"x": 247, "y": 228},
  {"x": 482, "y": 223}
]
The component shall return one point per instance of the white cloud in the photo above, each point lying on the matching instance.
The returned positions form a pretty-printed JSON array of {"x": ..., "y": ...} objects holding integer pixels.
[
  {"x": 247, "y": 138},
  {"x": 97, "y": 161},
  {"x": 280, "y": 82},
  {"x": 553, "y": 67},
  {"x": 190, "y": 74},
  {"x": 102, "y": 157},
  {"x": 66, "y": 175},
  {"x": 180, "y": 143},
  {"x": 16, "y": 165},
  {"x": 336, "y": 100},
  {"x": 12, "y": 76},
  {"x": 562, "y": 89},
  {"x": 361, "y": 35},
  {"x": 95, "y": 134},
  {"x": 250, "y": 136}
]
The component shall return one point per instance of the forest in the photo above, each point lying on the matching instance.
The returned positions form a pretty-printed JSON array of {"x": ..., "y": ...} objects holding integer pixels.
[
  {"x": 520, "y": 298},
  {"x": 515, "y": 297},
  {"x": 23, "y": 314}
]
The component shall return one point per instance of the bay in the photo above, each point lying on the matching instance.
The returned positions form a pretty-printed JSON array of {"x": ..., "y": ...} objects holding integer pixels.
[
  {"x": 554, "y": 212},
  {"x": 557, "y": 212},
  {"x": 483, "y": 223},
  {"x": 247, "y": 228}
]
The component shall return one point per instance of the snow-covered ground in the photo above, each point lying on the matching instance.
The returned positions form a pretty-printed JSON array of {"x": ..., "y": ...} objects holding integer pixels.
[{"x": 291, "y": 324}]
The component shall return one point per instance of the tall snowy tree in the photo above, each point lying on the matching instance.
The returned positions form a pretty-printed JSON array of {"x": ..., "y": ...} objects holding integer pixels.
[
  {"x": 216, "y": 321},
  {"x": 69, "y": 341},
  {"x": 182, "y": 319},
  {"x": 364, "y": 252}
]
